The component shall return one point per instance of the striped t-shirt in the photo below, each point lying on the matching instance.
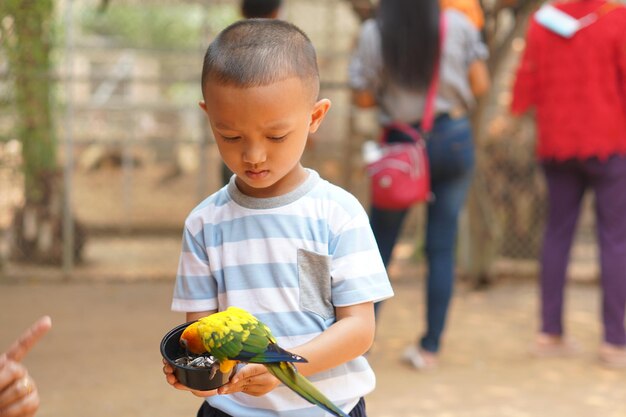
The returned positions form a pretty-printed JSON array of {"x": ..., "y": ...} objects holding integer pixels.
[{"x": 289, "y": 260}]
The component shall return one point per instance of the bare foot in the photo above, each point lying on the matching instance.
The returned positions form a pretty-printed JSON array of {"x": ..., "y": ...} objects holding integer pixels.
[
  {"x": 613, "y": 356},
  {"x": 548, "y": 346}
]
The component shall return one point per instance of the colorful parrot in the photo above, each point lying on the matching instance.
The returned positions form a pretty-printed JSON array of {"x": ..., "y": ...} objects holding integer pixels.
[{"x": 234, "y": 335}]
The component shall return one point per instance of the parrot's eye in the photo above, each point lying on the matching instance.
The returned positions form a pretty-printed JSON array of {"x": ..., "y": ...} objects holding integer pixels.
[{"x": 183, "y": 343}]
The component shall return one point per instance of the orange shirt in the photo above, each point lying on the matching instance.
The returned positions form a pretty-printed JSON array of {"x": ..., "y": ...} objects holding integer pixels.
[{"x": 471, "y": 9}]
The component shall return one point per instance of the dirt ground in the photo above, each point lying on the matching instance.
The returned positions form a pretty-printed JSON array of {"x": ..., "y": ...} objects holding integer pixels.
[{"x": 102, "y": 357}]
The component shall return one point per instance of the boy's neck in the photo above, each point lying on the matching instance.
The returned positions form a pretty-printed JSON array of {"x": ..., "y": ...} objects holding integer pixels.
[{"x": 253, "y": 202}]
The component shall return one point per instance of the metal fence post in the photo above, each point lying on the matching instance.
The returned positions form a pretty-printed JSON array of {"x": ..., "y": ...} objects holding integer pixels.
[{"x": 68, "y": 223}]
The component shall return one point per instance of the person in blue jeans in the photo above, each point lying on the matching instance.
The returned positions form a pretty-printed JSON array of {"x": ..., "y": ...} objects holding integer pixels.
[{"x": 392, "y": 67}]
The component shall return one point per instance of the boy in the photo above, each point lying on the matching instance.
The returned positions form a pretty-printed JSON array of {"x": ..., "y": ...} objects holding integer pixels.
[{"x": 278, "y": 241}]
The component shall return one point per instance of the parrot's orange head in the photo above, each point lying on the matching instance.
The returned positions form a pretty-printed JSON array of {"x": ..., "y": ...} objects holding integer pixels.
[{"x": 191, "y": 340}]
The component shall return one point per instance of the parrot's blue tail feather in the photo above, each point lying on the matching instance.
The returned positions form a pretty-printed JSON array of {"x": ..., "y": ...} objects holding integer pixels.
[{"x": 274, "y": 354}]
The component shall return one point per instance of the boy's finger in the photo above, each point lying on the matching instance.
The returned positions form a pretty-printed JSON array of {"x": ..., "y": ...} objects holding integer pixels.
[
  {"x": 202, "y": 394},
  {"x": 248, "y": 371},
  {"x": 29, "y": 338}
]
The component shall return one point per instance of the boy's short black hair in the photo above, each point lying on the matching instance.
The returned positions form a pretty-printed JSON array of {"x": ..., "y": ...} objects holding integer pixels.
[
  {"x": 259, "y": 8},
  {"x": 259, "y": 52}
]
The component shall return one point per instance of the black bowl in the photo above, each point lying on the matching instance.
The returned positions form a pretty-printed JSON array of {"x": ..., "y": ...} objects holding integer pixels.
[{"x": 194, "y": 378}]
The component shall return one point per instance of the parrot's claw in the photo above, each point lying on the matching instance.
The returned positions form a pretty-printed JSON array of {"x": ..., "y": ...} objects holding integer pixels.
[{"x": 214, "y": 368}]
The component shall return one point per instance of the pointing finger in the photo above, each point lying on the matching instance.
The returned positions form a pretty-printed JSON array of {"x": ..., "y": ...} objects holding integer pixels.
[{"x": 29, "y": 338}]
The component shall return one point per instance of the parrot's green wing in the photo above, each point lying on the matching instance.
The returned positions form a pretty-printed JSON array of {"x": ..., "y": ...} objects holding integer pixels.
[
  {"x": 235, "y": 334},
  {"x": 260, "y": 347}
]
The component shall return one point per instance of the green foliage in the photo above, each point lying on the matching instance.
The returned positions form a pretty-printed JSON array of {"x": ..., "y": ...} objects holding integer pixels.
[{"x": 157, "y": 26}]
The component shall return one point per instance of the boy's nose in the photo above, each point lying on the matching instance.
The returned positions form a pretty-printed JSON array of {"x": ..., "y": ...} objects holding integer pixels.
[{"x": 254, "y": 154}]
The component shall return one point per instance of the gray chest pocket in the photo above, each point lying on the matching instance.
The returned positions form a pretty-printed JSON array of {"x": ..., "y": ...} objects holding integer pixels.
[{"x": 314, "y": 280}]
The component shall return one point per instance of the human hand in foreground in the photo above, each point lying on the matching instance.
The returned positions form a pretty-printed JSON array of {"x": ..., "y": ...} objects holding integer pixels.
[
  {"x": 173, "y": 381},
  {"x": 18, "y": 392}
]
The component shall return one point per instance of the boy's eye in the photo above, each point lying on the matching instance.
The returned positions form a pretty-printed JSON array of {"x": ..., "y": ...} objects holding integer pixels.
[
  {"x": 230, "y": 138},
  {"x": 277, "y": 138}
]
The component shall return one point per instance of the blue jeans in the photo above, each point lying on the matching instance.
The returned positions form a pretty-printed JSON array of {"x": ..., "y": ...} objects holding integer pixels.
[{"x": 451, "y": 157}]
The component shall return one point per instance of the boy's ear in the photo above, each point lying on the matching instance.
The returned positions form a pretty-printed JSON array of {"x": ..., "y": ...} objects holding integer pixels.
[
  {"x": 202, "y": 105},
  {"x": 317, "y": 115}
]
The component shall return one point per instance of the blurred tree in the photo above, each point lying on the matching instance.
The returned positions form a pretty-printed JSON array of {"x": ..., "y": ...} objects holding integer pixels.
[
  {"x": 26, "y": 29},
  {"x": 505, "y": 20},
  {"x": 155, "y": 25}
]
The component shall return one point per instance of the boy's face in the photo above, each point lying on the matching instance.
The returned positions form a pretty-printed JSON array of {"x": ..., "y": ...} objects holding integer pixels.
[{"x": 261, "y": 132}]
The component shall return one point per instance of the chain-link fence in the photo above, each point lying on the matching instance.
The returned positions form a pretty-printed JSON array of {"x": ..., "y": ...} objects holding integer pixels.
[
  {"x": 141, "y": 144},
  {"x": 138, "y": 152},
  {"x": 510, "y": 187},
  {"x": 135, "y": 145}
]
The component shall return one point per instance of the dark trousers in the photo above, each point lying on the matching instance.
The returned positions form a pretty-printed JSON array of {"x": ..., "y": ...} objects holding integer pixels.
[
  {"x": 207, "y": 411},
  {"x": 567, "y": 182}
]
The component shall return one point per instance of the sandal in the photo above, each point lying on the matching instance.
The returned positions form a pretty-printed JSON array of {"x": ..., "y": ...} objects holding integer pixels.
[{"x": 420, "y": 359}]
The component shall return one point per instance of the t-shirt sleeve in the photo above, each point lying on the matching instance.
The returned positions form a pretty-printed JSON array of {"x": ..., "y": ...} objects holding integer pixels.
[
  {"x": 475, "y": 49},
  {"x": 357, "y": 271},
  {"x": 195, "y": 288}
]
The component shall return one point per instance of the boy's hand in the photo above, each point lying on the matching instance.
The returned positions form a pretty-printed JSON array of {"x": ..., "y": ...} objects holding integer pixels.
[
  {"x": 171, "y": 379},
  {"x": 252, "y": 379}
]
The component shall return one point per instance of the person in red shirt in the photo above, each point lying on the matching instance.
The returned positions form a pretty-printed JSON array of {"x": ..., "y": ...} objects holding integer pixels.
[{"x": 577, "y": 86}]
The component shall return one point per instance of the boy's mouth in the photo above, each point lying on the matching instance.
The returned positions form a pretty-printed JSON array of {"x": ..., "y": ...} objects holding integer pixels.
[{"x": 257, "y": 174}]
